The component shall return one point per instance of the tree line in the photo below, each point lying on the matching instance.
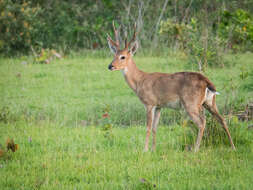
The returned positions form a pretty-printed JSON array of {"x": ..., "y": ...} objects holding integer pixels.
[{"x": 197, "y": 27}]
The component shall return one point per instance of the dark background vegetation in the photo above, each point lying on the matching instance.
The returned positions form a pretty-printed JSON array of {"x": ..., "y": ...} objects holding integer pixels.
[{"x": 198, "y": 27}]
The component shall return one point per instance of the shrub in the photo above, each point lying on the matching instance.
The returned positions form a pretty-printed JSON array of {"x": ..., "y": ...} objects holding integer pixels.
[
  {"x": 190, "y": 38},
  {"x": 237, "y": 29},
  {"x": 61, "y": 26},
  {"x": 18, "y": 23}
]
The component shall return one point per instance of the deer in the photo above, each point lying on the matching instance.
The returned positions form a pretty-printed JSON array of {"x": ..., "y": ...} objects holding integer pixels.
[{"x": 189, "y": 90}]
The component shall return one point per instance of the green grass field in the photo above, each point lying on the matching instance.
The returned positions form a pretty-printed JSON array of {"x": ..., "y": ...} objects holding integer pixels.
[{"x": 54, "y": 113}]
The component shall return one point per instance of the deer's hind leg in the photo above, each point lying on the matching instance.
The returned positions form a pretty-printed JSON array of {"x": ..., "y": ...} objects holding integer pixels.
[
  {"x": 193, "y": 107},
  {"x": 212, "y": 108},
  {"x": 198, "y": 117}
]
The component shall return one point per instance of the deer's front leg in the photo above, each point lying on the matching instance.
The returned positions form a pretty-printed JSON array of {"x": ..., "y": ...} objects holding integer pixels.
[
  {"x": 154, "y": 126},
  {"x": 150, "y": 117}
]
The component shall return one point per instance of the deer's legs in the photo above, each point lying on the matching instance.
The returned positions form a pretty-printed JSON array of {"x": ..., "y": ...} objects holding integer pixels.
[
  {"x": 198, "y": 117},
  {"x": 154, "y": 126},
  {"x": 150, "y": 118},
  {"x": 214, "y": 111}
]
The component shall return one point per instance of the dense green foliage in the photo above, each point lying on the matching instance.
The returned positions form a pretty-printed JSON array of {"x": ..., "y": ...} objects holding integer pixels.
[
  {"x": 237, "y": 29},
  {"x": 79, "y": 126},
  {"x": 71, "y": 25}
]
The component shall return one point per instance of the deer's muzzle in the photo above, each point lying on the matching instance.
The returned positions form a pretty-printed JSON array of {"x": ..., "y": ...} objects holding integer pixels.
[{"x": 110, "y": 67}]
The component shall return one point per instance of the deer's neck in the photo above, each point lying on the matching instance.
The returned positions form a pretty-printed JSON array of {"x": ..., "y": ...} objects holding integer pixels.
[{"x": 133, "y": 75}]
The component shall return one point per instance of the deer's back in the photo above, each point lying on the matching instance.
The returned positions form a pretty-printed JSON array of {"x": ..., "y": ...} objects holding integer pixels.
[{"x": 164, "y": 89}]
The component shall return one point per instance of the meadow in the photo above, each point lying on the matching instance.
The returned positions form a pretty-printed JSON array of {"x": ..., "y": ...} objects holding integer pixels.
[{"x": 55, "y": 113}]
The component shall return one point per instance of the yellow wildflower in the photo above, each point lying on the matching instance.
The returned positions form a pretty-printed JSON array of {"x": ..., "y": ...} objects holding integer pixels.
[{"x": 25, "y": 24}]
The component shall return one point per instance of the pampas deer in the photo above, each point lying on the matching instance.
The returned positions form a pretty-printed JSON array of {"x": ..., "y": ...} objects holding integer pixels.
[{"x": 189, "y": 90}]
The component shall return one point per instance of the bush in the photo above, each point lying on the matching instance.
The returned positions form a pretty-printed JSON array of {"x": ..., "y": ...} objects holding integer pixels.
[
  {"x": 58, "y": 25},
  {"x": 189, "y": 38},
  {"x": 237, "y": 29},
  {"x": 174, "y": 33},
  {"x": 19, "y": 26}
]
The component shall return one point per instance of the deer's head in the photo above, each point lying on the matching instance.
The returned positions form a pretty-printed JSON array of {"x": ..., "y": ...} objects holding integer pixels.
[{"x": 123, "y": 56}]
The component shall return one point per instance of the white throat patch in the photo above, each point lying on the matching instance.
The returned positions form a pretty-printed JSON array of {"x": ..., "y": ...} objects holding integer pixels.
[{"x": 124, "y": 71}]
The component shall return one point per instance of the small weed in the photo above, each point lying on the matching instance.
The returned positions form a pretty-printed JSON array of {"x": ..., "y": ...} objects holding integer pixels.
[
  {"x": 106, "y": 125},
  {"x": 4, "y": 114},
  {"x": 46, "y": 56}
]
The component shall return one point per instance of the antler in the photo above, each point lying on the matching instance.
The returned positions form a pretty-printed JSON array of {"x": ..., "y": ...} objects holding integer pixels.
[
  {"x": 116, "y": 34},
  {"x": 133, "y": 39},
  {"x": 126, "y": 39}
]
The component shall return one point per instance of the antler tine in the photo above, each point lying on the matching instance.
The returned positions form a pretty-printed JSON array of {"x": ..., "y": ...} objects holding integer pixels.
[
  {"x": 126, "y": 45},
  {"x": 134, "y": 35},
  {"x": 110, "y": 39},
  {"x": 116, "y": 33}
]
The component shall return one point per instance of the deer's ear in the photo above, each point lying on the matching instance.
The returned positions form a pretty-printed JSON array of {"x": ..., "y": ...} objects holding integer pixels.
[
  {"x": 134, "y": 47},
  {"x": 112, "y": 46}
]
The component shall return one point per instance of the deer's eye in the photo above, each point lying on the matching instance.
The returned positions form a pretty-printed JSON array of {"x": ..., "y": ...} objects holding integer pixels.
[{"x": 122, "y": 57}]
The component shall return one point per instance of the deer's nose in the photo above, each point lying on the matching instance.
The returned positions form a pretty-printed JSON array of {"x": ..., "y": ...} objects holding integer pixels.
[{"x": 110, "y": 67}]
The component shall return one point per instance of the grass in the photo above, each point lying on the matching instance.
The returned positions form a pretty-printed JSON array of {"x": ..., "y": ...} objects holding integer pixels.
[{"x": 54, "y": 113}]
